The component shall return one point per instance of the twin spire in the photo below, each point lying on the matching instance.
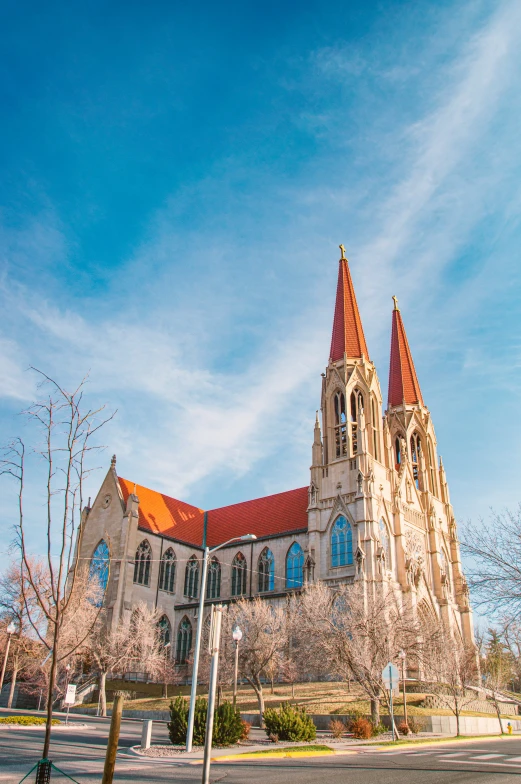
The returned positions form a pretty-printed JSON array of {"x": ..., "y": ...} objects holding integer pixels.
[{"x": 348, "y": 338}]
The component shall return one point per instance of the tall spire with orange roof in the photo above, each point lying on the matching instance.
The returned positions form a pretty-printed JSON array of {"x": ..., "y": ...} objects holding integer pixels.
[
  {"x": 348, "y": 334},
  {"x": 403, "y": 381}
]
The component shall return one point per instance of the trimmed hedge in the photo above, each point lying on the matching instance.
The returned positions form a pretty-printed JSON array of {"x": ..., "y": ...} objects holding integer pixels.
[
  {"x": 26, "y": 721},
  {"x": 289, "y": 722}
]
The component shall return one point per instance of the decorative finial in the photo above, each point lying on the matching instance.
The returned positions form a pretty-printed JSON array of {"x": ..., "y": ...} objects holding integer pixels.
[
  {"x": 343, "y": 252},
  {"x": 135, "y": 489},
  {"x": 395, "y": 300},
  {"x": 316, "y": 420},
  {"x": 113, "y": 462}
]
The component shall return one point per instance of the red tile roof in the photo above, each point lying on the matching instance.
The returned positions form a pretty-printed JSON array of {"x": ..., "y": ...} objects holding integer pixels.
[
  {"x": 164, "y": 515},
  {"x": 403, "y": 381},
  {"x": 348, "y": 334},
  {"x": 273, "y": 514}
]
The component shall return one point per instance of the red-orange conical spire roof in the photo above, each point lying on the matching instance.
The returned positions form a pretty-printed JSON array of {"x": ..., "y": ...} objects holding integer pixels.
[
  {"x": 348, "y": 334},
  {"x": 403, "y": 381}
]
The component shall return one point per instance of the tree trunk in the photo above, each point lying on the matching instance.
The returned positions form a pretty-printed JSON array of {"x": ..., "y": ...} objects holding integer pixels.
[
  {"x": 375, "y": 711},
  {"x": 457, "y": 722},
  {"x": 272, "y": 692},
  {"x": 50, "y": 691},
  {"x": 165, "y": 690},
  {"x": 292, "y": 691},
  {"x": 103, "y": 693},
  {"x": 14, "y": 674},
  {"x": 496, "y": 706},
  {"x": 257, "y": 688}
]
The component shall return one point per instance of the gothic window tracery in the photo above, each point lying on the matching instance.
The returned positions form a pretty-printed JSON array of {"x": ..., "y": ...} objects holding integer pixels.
[
  {"x": 142, "y": 563},
  {"x": 239, "y": 570},
  {"x": 341, "y": 543},
  {"x": 357, "y": 406},
  {"x": 432, "y": 472},
  {"x": 398, "y": 452},
  {"x": 184, "y": 641},
  {"x": 266, "y": 570},
  {"x": 374, "y": 425},
  {"x": 167, "y": 571},
  {"x": 191, "y": 578},
  {"x": 99, "y": 565},
  {"x": 165, "y": 631},
  {"x": 295, "y": 566},
  {"x": 339, "y": 405},
  {"x": 416, "y": 448},
  {"x": 213, "y": 586}
]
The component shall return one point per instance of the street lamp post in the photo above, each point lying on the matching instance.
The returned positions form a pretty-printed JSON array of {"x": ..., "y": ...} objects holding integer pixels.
[
  {"x": 68, "y": 669},
  {"x": 403, "y": 656},
  {"x": 193, "y": 693},
  {"x": 10, "y": 631},
  {"x": 237, "y": 636}
]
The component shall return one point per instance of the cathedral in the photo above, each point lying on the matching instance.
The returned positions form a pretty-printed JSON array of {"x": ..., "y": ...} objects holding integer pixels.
[{"x": 377, "y": 508}]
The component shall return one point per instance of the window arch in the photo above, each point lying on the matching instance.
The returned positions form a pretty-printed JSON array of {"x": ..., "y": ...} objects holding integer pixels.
[
  {"x": 239, "y": 569},
  {"x": 142, "y": 563},
  {"x": 434, "y": 488},
  {"x": 167, "y": 571},
  {"x": 357, "y": 406},
  {"x": 339, "y": 406},
  {"x": 295, "y": 566},
  {"x": 385, "y": 541},
  {"x": 266, "y": 570},
  {"x": 184, "y": 641},
  {"x": 99, "y": 565},
  {"x": 191, "y": 578},
  {"x": 165, "y": 631},
  {"x": 416, "y": 449},
  {"x": 213, "y": 586},
  {"x": 341, "y": 543},
  {"x": 374, "y": 425},
  {"x": 398, "y": 451}
]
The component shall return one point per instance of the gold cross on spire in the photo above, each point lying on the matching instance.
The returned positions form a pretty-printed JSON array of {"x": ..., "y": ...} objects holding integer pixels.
[
  {"x": 343, "y": 251},
  {"x": 395, "y": 300}
]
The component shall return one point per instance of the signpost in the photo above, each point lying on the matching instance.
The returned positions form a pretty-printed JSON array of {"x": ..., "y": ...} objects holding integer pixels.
[
  {"x": 390, "y": 677},
  {"x": 70, "y": 698}
]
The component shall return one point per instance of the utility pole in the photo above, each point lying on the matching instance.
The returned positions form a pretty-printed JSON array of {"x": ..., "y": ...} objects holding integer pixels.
[{"x": 112, "y": 745}]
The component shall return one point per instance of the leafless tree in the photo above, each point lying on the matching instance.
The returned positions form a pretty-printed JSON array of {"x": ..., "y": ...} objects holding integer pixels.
[
  {"x": 265, "y": 635},
  {"x": 66, "y": 435},
  {"x": 496, "y": 668},
  {"x": 494, "y": 572},
  {"x": 452, "y": 668},
  {"x": 357, "y": 632}
]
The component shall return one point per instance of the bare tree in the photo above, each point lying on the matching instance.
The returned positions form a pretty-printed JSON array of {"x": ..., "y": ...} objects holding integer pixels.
[
  {"x": 357, "y": 632},
  {"x": 265, "y": 635},
  {"x": 66, "y": 435},
  {"x": 452, "y": 667},
  {"x": 495, "y": 565}
]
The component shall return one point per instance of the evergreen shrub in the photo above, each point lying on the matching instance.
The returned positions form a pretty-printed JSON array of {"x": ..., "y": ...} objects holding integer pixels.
[
  {"x": 289, "y": 722},
  {"x": 227, "y": 724}
]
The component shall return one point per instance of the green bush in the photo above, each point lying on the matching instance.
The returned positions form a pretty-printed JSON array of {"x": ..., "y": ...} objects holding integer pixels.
[
  {"x": 289, "y": 723},
  {"x": 26, "y": 721},
  {"x": 227, "y": 724}
]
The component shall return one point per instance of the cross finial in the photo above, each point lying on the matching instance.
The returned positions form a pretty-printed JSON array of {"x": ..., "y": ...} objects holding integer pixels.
[
  {"x": 343, "y": 251},
  {"x": 395, "y": 300},
  {"x": 113, "y": 461}
]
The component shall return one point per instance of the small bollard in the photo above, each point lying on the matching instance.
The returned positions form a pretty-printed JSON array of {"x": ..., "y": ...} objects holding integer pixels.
[
  {"x": 146, "y": 734},
  {"x": 509, "y": 728}
]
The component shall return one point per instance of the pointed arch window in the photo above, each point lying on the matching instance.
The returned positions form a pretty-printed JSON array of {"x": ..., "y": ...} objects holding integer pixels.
[
  {"x": 339, "y": 405},
  {"x": 167, "y": 571},
  {"x": 266, "y": 570},
  {"x": 432, "y": 472},
  {"x": 341, "y": 543},
  {"x": 213, "y": 586},
  {"x": 142, "y": 563},
  {"x": 191, "y": 578},
  {"x": 357, "y": 406},
  {"x": 99, "y": 565},
  {"x": 385, "y": 541},
  {"x": 239, "y": 570},
  {"x": 374, "y": 425},
  {"x": 295, "y": 566},
  {"x": 398, "y": 451},
  {"x": 165, "y": 632},
  {"x": 416, "y": 448},
  {"x": 184, "y": 641}
]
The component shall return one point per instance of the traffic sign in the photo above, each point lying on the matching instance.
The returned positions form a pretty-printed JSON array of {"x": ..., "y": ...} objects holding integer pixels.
[
  {"x": 390, "y": 676},
  {"x": 70, "y": 697}
]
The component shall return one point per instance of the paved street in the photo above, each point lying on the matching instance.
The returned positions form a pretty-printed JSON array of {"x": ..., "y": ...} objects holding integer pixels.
[{"x": 80, "y": 753}]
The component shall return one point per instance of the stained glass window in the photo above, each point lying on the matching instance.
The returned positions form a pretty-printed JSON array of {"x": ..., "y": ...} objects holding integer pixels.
[
  {"x": 142, "y": 563},
  {"x": 295, "y": 566},
  {"x": 239, "y": 570},
  {"x": 266, "y": 569},
  {"x": 167, "y": 571},
  {"x": 213, "y": 585},
  {"x": 184, "y": 641},
  {"x": 192, "y": 578},
  {"x": 341, "y": 543},
  {"x": 99, "y": 565}
]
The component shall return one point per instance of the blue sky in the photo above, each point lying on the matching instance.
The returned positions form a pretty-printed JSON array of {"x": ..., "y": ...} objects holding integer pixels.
[{"x": 175, "y": 182}]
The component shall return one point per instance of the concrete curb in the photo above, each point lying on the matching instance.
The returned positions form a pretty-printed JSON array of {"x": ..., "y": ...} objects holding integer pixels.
[
  {"x": 279, "y": 755},
  {"x": 451, "y": 740}
]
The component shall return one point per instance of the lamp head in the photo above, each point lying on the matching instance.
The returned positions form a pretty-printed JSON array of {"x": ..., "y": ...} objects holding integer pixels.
[
  {"x": 402, "y": 654},
  {"x": 11, "y": 628},
  {"x": 248, "y": 538},
  {"x": 237, "y": 634}
]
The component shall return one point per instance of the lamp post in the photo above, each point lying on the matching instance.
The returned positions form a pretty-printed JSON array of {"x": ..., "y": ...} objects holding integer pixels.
[
  {"x": 68, "y": 670},
  {"x": 193, "y": 693},
  {"x": 403, "y": 656},
  {"x": 237, "y": 636},
  {"x": 10, "y": 631}
]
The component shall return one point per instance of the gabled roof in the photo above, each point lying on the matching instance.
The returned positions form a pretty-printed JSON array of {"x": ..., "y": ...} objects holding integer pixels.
[
  {"x": 403, "y": 381},
  {"x": 348, "y": 334},
  {"x": 272, "y": 515}
]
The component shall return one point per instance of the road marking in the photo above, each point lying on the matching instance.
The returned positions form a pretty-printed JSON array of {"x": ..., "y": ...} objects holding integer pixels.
[
  {"x": 454, "y": 754},
  {"x": 514, "y": 759},
  {"x": 488, "y": 756}
]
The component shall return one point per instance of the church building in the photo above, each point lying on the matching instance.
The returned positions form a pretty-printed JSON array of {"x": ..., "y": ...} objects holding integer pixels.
[{"x": 376, "y": 508}]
